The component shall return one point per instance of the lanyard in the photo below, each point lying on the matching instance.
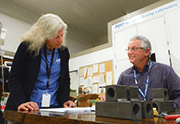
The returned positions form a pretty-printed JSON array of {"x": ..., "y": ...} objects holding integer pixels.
[
  {"x": 147, "y": 82},
  {"x": 47, "y": 69}
]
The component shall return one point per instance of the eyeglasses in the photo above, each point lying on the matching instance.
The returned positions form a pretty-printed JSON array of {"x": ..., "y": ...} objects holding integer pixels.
[{"x": 133, "y": 49}]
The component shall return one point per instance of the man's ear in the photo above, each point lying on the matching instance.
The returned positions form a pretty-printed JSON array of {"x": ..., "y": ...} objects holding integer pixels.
[{"x": 147, "y": 51}]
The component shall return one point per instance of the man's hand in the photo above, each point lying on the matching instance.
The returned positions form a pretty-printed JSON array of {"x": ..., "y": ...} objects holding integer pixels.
[
  {"x": 68, "y": 104},
  {"x": 32, "y": 106},
  {"x": 103, "y": 98}
]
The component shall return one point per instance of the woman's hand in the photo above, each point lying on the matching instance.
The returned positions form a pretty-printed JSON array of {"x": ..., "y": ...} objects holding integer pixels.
[
  {"x": 29, "y": 112},
  {"x": 68, "y": 104},
  {"x": 32, "y": 106}
]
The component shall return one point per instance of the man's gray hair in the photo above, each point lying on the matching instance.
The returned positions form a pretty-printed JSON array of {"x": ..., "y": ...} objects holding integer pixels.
[{"x": 145, "y": 42}]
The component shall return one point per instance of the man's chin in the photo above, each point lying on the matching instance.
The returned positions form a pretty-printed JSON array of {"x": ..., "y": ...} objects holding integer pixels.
[{"x": 131, "y": 61}]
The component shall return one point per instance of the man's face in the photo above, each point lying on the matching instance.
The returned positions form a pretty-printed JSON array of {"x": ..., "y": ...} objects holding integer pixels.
[{"x": 136, "y": 54}]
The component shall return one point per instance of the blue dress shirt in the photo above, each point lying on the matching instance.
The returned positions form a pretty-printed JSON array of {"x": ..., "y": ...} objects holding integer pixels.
[{"x": 40, "y": 87}]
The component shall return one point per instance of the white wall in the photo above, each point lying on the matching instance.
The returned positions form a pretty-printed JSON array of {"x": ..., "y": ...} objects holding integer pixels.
[
  {"x": 92, "y": 58},
  {"x": 173, "y": 20},
  {"x": 74, "y": 80},
  {"x": 15, "y": 28}
]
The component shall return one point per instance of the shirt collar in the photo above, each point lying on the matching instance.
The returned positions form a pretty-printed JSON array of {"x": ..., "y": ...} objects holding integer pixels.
[
  {"x": 146, "y": 67},
  {"x": 56, "y": 50}
]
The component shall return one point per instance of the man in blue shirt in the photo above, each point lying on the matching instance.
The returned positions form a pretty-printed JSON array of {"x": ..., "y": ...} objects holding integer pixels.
[{"x": 146, "y": 74}]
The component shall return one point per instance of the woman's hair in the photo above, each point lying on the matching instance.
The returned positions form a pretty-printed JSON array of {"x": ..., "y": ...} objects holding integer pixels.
[
  {"x": 45, "y": 28},
  {"x": 145, "y": 42}
]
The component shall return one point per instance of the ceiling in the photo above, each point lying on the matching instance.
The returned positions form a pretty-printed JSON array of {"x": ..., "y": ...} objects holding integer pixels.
[{"x": 91, "y": 16}]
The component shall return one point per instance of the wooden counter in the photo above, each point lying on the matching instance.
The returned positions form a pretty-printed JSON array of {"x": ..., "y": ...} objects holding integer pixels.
[{"x": 38, "y": 117}]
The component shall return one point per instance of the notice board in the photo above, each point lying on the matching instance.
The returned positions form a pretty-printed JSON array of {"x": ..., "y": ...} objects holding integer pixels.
[{"x": 97, "y": 75}]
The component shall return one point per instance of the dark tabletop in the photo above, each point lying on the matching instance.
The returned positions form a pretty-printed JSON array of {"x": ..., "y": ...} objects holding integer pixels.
[{"x": 40, "y": 117}]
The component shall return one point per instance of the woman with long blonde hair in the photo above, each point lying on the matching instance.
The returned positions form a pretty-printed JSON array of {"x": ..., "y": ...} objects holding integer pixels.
[{"x": 40, "y": 72}]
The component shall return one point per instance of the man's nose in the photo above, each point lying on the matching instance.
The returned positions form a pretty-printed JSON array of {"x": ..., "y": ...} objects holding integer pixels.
[{"x": 129, "y": 52}]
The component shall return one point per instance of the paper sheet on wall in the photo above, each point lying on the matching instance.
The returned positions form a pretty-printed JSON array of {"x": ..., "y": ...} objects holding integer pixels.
[
  {"x": 89, "y": 81},
  {"x": 102, "y": 68},
  {"x": 81, "y": 72},
  {"x": 95, "y": 68},
  {"x": 85, "y": 71},
  {"x": 101, "y": 80},
  {"x": 81, "y": 80},
  {"x": 95, "y": 79},
  {"x": 90, "y": 73},
  {"x": 95, "y": 88},
  {"x": 109, "y": 78},
  {"x": 85, "y": 83}
]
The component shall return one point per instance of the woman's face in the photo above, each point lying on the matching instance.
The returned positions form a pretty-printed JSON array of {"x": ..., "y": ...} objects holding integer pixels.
[{"x": 55, "y": 42}]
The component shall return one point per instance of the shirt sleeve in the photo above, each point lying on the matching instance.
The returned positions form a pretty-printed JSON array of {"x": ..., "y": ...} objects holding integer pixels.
[
  {"x": 120, "y": 82},
  {"x": 173, "y": 83}
]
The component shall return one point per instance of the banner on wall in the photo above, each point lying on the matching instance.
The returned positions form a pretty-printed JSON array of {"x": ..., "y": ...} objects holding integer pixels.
[{"x": 146, "y": 15}]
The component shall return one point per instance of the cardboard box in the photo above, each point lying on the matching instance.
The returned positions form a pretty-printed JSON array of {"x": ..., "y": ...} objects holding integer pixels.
[
  {"x": 83, "y": 102},
  {"x": 73, "y": 94}
]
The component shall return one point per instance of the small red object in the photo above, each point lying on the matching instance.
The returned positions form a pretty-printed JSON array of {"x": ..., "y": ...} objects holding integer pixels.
[
  {"x": 171, "y": 117},
  {"x": 3, "y": 107}
]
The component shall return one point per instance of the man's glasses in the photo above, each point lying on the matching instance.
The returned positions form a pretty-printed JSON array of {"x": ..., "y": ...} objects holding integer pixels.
[{"x": 133, "y": 49}]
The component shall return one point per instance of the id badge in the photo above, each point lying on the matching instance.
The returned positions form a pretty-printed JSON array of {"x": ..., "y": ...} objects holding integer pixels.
[{"x": 46, "y": 100}]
